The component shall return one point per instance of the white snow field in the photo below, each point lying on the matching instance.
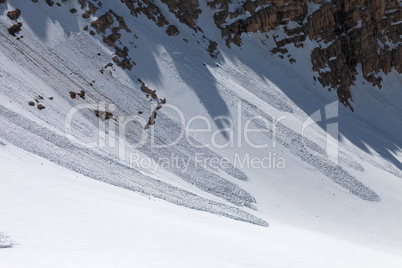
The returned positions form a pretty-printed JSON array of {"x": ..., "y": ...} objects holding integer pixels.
[
  {"x": 76, "y": 192},
  {"x": 58, "y": 217}
]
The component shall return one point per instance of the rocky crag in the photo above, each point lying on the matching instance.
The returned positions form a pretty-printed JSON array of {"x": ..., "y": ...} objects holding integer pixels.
[{"x": 348, "y": 33}]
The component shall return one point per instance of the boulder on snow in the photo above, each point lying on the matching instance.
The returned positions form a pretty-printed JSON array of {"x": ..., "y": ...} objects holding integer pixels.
[
  {"x": 13, "y": 15},
  {"x": 15, "y": 28}
]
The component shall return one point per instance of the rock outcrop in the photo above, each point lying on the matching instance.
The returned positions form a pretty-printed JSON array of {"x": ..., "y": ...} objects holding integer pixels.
[
  {"x": 13, "y": 15},
  {"x": 253, "y": 16},
  {"x": 187, "y": 11},
  {"x": 15, "y": 28},
  {"x": 354, "y": 33},
  {"x": 102, "y": 23},
  {"x": 359, "y": 32},
  {"x": 148, "y": 8}
]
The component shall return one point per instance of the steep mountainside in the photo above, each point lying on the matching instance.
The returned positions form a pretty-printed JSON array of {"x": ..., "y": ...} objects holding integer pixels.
[
  {"x": 345, "y": 34},
  {"x": 221, "y": 107}
]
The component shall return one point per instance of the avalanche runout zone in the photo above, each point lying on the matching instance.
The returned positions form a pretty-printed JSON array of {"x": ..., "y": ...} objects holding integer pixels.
[
  {"x": 17, "y": 129},
  {"x": 201, "y": 178},
  {"x": 294, "y": 142}
]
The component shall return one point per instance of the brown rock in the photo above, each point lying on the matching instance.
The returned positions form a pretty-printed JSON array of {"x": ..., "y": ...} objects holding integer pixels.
[
  {"x": 123, "y": 53},
  {"x": 172, "y": 30},
  {"x": 149, "y": 9},
  {"x": 83, "y": 3},
  {"x": 111, "y": 39},
  {"x": 15, "y": 28},
  {"x": 120, "y": 20},
  {"x": 73, "y": 95},
  {"x": 265, "y": 15},
  {"x": 104, "y": 115},
  {"x": 81, "y": 94},
  {"x": 13, "y": 15},
  {"x": 187, "y": 11},
  {"x": 146, "y": 89},
  {"x": 91, "y": 10},
  {"x": 124, "y": 64},
  {"x": 49, "y": 3},
  {"x": 103, "y": 23},
  {"x": 40, "y": 106}
]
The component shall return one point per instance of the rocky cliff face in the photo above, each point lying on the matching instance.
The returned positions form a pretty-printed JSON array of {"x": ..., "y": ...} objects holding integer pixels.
[
  {"x": 348, "y": 33},
  {"x": 358, "y": 32},
  {"x": 348, "y": 36},
  {"x": 187, "y": 11}
]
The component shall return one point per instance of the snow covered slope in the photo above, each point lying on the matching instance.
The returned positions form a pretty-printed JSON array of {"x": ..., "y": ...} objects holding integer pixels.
[
  {"x": 57, "y": 217},
  {"x": 335, "y": 203}
]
